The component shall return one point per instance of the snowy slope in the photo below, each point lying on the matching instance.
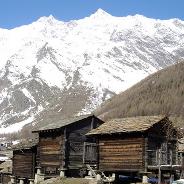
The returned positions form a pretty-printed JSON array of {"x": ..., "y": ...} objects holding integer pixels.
[{"x": 53, "y": 69}]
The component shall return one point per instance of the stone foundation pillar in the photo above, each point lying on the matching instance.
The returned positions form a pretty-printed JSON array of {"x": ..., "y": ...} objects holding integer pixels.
[
  {"x": 12, "y": 179},
  {"x": 38, "y": 171},
  {"x": 62, "y": 172},
  {"x": 21, "y": 180},
  {"x": 145, "y": 176},
  {"x": 171, "y": 179},
  {"x": 39, "y": 176},
  {"x": 144, "y": 179},
  {"x": 31, "y": 181}
]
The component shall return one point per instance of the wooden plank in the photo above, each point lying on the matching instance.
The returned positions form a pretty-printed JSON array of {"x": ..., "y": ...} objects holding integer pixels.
[
  {"x": 122, "y": 141},
  {"x": 54, "y": 152},
  {"x": 113, "y": 149},
  {"x": 44, "y": 163},
  {"x": 127, "y": 146},
  {"x": 130, "y": 161},
  {"x": 50, "y": 151},
  {"x": 23, "y": 164},
  {"x": 121, "y": 153},
  {"x": 116, "y": 154},
  {"x": 120, "y": 158},
  {"x": 50, "y": 147}
]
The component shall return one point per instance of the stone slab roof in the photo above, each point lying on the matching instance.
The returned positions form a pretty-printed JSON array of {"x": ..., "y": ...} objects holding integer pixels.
[
  {"x": 126, "y": 125},
  {"x": 60, "y": 123},
  {"x": 25, "y": 144}
]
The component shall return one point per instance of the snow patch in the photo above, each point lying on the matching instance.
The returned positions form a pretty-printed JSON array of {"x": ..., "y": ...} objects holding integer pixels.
[
  {"x": 28, "y": 95},
  {"x": 107, "y": 53},
  {"x": 17, "y": 126}
]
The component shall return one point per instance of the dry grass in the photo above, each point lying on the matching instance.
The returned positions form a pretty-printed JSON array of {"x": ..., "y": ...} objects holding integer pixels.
[{"x": 66, "y": 181}]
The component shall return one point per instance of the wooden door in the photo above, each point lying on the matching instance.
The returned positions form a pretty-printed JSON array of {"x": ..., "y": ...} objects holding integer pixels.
[
  {"x": 75, "y": 154},
  {"x": 90, "y": 155}
]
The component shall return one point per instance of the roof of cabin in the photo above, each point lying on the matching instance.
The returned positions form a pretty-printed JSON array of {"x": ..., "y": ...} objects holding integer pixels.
[
  {"x": 6, "y": 167},
  {"x": 61, "y": 123},
  {"x": 25, "y": 144},
  {"x": 126, "y": 125}
]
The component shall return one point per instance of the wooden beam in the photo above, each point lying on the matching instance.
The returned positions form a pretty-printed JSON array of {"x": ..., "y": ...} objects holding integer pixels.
[
  {"x": 64, "y": 148},
  {"x": 92, "y": 123},
  {"x": 159, "y": 168},
  {"x": 84, "y": 152},
  {"x": 145, "y": 154}
]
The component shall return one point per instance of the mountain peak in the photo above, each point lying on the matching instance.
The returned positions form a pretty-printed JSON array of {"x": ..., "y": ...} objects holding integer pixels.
[
  {"x": 50, "y": 19},
  {"x": 100, "y": 14},
  {"x": 85, "y": 62}
]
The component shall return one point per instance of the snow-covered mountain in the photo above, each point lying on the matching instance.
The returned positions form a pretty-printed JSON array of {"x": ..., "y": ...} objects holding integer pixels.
[{"x": 52, "y": 69}]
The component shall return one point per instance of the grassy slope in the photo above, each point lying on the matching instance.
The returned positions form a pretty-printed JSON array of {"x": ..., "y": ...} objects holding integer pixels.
[{"x": 160, "y": 93}]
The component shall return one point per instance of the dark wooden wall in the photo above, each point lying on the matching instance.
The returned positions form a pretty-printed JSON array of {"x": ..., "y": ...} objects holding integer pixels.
[
  {"x": 76, "y": 137},
  {"x": 24, "y": 163},
  {"x": 64, "y": 147},
  {"x": 50, "y": 151},
  {"x": 162, "y": 136},
  {"x": 136, "y": 151},
  {"x": 121, "y": 154},
  {"x": 75, "y": 143}
]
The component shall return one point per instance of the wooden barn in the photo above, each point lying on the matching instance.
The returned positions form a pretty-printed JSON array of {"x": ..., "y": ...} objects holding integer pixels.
[
  {"x": 24, "y": 159},
  {"x": 62, "y": 145},
  {"x": 137, "y": 145}
]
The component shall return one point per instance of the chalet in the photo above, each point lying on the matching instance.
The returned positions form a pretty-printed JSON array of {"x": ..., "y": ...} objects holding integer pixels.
[
  {"x": 137, "y": 145},
  {"x": 62, "y": 145},
  {"x": 24, "y": 160}
]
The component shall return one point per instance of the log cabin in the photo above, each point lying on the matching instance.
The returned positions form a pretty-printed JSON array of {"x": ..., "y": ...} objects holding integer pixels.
[
  {"x": 137, "y": 145},
  {"x": 24, "y": 159},
  {"x": 62, "y": 145}
]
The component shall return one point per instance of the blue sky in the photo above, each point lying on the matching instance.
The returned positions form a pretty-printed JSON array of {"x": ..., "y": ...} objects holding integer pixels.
[{"x": 14, "y": 13}]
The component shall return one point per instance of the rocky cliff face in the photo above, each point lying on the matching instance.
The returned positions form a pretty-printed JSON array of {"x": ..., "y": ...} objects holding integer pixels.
[{"x": 55, "y": 69}]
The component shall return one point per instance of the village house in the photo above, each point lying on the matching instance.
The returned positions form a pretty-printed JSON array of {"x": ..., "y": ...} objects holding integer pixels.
[
  {"x": 62, "y": 145},
  {"x": 24, "y": 160},
  {"x": 138, "y": 145}
]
